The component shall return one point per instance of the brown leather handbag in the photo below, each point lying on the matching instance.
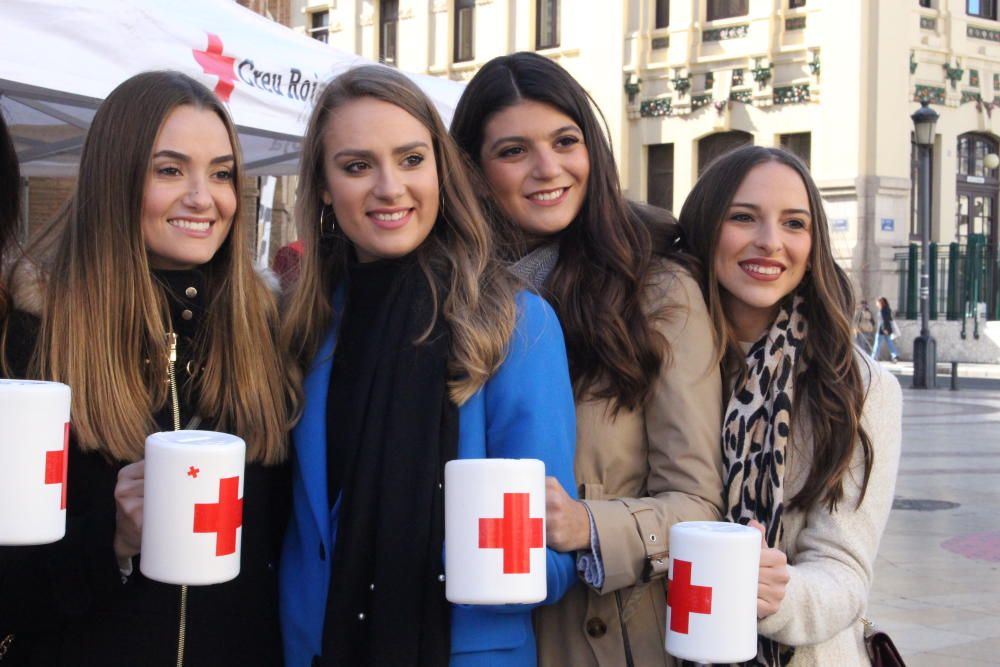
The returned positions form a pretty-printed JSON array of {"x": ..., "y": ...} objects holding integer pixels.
[{"x": 881, "y": 650}]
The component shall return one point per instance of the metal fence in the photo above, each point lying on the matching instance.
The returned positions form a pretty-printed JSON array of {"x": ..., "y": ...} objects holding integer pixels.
[{"x": 964, "y": 281}]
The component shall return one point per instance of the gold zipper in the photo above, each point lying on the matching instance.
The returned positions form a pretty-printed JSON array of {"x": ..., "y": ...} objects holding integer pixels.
[
  {"x": 176, "y": 405},
  {"x": 172, "y": 375}
]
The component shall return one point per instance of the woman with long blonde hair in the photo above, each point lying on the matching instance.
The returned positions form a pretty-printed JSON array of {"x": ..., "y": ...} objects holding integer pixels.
[
  {"x": 415, "y": 349},
  {"x": 153, "y": 314}
]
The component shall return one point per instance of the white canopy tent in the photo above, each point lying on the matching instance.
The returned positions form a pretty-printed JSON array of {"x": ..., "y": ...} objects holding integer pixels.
[{"x": 60, "y": 58}]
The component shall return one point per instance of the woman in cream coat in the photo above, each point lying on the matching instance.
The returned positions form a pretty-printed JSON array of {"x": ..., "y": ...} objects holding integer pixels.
[{"x": 811, "y": 433}]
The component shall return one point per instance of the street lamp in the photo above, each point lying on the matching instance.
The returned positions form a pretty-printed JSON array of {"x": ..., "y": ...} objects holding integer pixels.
[{"x": 924, "y": 347}]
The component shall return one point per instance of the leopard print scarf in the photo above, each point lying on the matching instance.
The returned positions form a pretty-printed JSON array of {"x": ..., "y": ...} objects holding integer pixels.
[{"x": 754, "y": 436}]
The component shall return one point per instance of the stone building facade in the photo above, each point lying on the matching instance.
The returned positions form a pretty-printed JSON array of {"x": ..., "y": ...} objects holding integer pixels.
[{"x": 680, "y": 81}]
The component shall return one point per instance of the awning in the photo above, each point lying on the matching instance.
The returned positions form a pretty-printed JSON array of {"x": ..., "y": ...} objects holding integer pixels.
[{"x": 60, "y": 58}]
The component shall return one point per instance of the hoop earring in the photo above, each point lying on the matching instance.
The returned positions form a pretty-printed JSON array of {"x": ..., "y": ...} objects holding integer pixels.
[{"x": 322, "y": 216}]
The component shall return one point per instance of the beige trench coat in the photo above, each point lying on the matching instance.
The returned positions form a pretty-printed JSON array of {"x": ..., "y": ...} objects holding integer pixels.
[{"x": 639, "y": 474}]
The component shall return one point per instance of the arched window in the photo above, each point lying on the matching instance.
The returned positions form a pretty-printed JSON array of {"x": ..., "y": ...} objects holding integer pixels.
[
  {"x": 714, "y": 145},
  {"x": 976, "y": 187},
  {"x": 972, "y": 150}
]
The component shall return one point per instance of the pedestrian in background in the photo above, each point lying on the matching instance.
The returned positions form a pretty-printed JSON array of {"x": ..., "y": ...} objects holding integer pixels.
[
  {"x": 864, "y": 326},
  {"x": 415, "y": 348},
  {"x": 811, "y": 435},
  {"x": 886, "y": 332},
  {"x": 152, "y": 313},
  {"x": 639, "y": 340}
]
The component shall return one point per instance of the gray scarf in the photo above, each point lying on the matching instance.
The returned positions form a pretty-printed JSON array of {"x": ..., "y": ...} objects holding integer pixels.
[{"x": 535, "y": 267}]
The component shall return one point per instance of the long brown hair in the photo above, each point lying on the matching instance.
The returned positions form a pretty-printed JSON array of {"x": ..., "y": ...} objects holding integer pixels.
[
  {"x": 473, "y": 291},
  {"x": 830, "y": 385},
  {"x": 10, "y": 207},
  {"x": 605, "y": 255},
  {"x": 105, "y": 316}
]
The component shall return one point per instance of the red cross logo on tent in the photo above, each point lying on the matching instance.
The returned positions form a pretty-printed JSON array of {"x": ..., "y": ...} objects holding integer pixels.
[
  {"x": 223, "y": 517},
  {"x": 56, "y": 463},
  {"x": 213, "y": 62},
  {"x": 516, "y": 533},
  {"x": 685, "y": 599}
]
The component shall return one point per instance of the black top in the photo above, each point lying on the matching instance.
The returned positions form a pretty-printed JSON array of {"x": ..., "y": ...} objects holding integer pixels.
[
  {"x": 886, "y": 326},
  {"x": 367, "y": 289},
  {"x": 391, "y": 426},
  {"x": 67, "y": 604}
]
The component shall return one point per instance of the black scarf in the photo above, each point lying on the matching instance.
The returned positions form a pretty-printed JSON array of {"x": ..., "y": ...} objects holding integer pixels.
[{"x": 386, "y": 603}]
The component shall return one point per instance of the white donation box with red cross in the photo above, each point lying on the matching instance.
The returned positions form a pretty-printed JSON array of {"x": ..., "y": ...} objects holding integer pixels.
[
  {"x": 34, "y": 451},
  {"x": 712, "y": 592},
  {"x": 193, "y": 508},
  {"x": 494, "y": 532}
]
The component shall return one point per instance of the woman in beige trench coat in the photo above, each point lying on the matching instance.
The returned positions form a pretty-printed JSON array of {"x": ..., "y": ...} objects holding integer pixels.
[{"x": 641, "y": 354}]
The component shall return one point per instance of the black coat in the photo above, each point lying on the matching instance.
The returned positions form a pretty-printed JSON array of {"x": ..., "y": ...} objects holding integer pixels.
[
  {"x": 68, "y": 604},
  {"x": 885, "y": 325}
]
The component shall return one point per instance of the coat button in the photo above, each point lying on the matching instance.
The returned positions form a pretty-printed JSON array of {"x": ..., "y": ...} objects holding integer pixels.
[
  {"x": 186, "y": 314},
  {"x": 191, "y": 292},
  {"x": 596, "y": 628}
]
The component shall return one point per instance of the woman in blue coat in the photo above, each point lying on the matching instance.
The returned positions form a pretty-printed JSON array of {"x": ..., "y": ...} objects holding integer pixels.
[{"x": 415, "y": 348}]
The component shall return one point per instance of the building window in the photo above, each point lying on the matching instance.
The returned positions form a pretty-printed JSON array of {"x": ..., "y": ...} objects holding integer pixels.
[
  {"x": 972, "y": 152},
  {"x": 798, "y": 144},
  {"x": 925, "y": 3},
  {"x": 795, "y": 4},
  {"x": 547, "y": 24},
  {"x": 984, "y": 9},
  {"x": 319, "y": 26},
  {"x": 660, "y": 175},
  {"x": 662, "y": 19},
  {"x": 724, "y": 9},
  {"x": 715, "y": 145},
  {"x": 465, "y": 11},
  {"x": 388, "y": 17}
]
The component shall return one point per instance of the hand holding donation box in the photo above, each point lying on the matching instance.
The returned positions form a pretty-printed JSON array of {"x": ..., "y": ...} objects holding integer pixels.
[
  {"x": 34, "y": 452},
  {"x": 712, "y": 592},
  {"x": 494, "y": 531},
  {"x": 193, "y": 507}
]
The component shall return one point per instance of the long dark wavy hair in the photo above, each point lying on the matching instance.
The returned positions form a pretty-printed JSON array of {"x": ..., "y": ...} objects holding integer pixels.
[
  {"x": 10, "y": 207},
  {"x": 606, "y": 255},
  {"x": 829, "y": 383}
]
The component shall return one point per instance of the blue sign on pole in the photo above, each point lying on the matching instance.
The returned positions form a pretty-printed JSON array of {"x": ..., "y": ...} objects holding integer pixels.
[{"x": 888, "y": 225}]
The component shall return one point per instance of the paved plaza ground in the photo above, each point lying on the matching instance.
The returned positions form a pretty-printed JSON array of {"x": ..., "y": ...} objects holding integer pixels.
[{"x": 937, "y": 579}]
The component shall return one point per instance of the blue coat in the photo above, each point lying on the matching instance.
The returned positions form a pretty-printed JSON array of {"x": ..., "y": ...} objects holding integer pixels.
[{"x": 525, "y": 410}]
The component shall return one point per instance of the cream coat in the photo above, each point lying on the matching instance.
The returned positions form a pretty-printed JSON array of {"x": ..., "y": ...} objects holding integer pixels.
[
  {"x": 832, "y": 555},
  {"x": 639, "y": 474}
]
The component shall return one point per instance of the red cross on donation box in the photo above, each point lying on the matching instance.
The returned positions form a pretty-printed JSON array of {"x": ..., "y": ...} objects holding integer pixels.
[
  {"x": 223, "y": 517},
  {"x": 56, "y": 463},
  {"x": 685, "y": 599},
  {"x": 516, "y": 533}
]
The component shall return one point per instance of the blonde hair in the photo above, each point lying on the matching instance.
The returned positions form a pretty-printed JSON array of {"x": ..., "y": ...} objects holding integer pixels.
[
  {"x": 105, "y": 316},
  {"x": 474, "y": 293}
]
